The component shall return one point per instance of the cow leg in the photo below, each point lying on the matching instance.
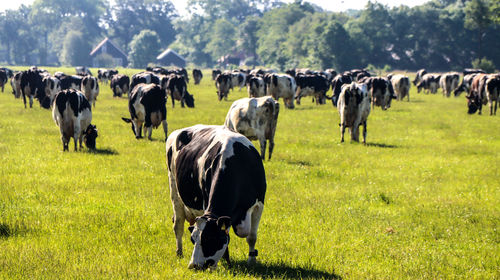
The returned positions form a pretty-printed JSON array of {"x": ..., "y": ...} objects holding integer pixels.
[
  {"x": 252, "y": 237},
  {"x": 31, "y": 101},
  {"x": 173, "y": 101},
  {"x": 179, "y": 217},
  {"x": 65, "y": 142},
  {"x": 148, "y": 130},
  {"x": 182, "y": 102},
  {"x": 262, "y": 148},
  {"x": 24, "y": 100},
  {"x": 364, "y": 132},
  {"x": 496, "y": 105},
  {"x": 165, "y": 128},
  {"x": 226, "y": 257},
  {"x": 342, "y": 131},
  {"x": 76, "y": 136},
  {"x": 271, "y": 147}
]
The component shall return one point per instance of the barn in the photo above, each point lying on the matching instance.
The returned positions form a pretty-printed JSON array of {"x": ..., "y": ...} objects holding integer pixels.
[
  {"x": 170, "y": 57},
  {"x": 107, "y": 54}
]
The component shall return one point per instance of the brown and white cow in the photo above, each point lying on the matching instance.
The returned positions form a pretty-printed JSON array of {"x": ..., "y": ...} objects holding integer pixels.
[
  {"x": 401, "y": 85},
  {"x": 217, "y": 181},
  {"x": 73, "y": 115},
  {"x": 90, "y": 88},
  {"x": 449, "y": 82},
  {"x": 354, "y": 108},
  {"x": 485, "y": 89},
  {"x": 256, "y": 118},
  {"x": 283, "y": 86}
]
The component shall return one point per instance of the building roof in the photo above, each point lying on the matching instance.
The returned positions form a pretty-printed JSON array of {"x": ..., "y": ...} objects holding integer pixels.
[
  {"x": 106, "y": 40},
  {"x": 168, "y": 52}
]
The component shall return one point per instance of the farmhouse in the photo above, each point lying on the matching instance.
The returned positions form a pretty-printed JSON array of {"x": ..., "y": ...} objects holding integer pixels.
[
  {"x": 170, "y": 57},
  {"x": 107, "y": 47}
]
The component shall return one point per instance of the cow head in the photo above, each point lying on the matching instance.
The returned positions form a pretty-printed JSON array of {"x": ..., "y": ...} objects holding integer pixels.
[
  {"x": 473, "y": 103},
  {"x": 210, "y": 238},
  {"x": 189, "y": 99},
  {"x": 136, "y": 131},
  {"x": 90, "y": 135}
]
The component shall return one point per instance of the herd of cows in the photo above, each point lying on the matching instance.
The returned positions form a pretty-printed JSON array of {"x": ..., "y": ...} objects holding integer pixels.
[{"x": 216, "y": 176}]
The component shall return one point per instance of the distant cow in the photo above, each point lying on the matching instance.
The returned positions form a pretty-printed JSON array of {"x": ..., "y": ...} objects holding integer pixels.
[
  {"x": 68, "y": 82},
  {"x": 177, "y": 89},
  {"x": 380, "y": 90},
  {"x": 429, "y": 83},
  {"x": 312, "y": 85},
  {"x": 31, "y": 86},
  {"x": 51, "y": 87},
  {"x": 281, "y": 86},
  {"x": 215, "y": 73},
  {"x": 256, "y": 86},
  {"x": 354, "y": 108},
  {"x": 147, "y": 106},
  {"x": 492, "y": 88},
  {"x": 105, "y": 75},
  {"x": 90, "y": 88},
  {"x": 15, "y": 83},
  {"x": 238, "y": 79},
  {"x": 465, "y": 85},
  {"x": 449, "y": 82},
  {"x": 82, "y": 71},
  {"x": 256, "y": 118},
  {"x": 197, "y": 76},
  {"x": 119, "y": 85},
  {"x": 401, "y": 85},
  {"x": 223, "y": 83},
  {"x": 418, "y": 76},
  {"x": 337, "y": 83},
  {"x": 72, "y": 114},
  {"x": 217, "y": 181},
  {"x": 3, "y": 78},
  {"x": 144, "y": 78},
  {"x": 484, "y": 90}
]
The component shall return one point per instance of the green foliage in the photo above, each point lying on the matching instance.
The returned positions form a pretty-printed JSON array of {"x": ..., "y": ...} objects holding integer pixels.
[
  {"x": 420, "y": 201},
  {"x": 75, "y": 50},
  {"x": 485, "y": 64},
  {"x": 144, "y": 48},
  {"x": 222, "y": 39},
  {"x": 105, "y": 60}
]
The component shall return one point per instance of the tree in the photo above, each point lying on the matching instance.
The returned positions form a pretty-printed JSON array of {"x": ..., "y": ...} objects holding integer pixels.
[
  {"x": 75, "y": 49},
  {"x": 478, "y": 17},
  {"x": 222, "y": 39},
  {"x": 144, "y": 48}
]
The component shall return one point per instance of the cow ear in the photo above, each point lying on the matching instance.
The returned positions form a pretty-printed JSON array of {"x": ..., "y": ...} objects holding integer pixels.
[
  {"x": 127, "y": 120},
  {"x": 224, "y": 223}
]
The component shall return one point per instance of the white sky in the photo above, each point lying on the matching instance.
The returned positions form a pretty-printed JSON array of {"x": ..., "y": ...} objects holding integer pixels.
[{"x": 330, "y": 5}]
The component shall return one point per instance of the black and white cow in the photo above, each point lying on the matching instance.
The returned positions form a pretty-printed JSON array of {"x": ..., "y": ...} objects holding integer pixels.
[
  {"x": 281, "y": 86},
  {"x": 90, "y": 88},
  {"x": 312, "y": 85},
  {"x": 484, "y": 90},
  {"x": 15, "y": 83},
  {"x": 197, "y": 76},
  {"x": 418, "y": 76},
  {"x": 466, "y": 84},
  {"x": 429, "y": 82},
  {"x": 401, "y": 85},
  {"x": 256, "y": 87},
  {"x": 381, "y": 91},
  {"x": 256, "y": 118},
  {"x": 105, "y": 75},
  {"x": 215, "y": 73},
  {"x": 147, "y": 105},
  {"x": 73, "y": 81},
  {"x": 449, "y": 82},
  {"x": 337, "y": 83},
  {"x": 217, "y": 181},
  {"x": 119, "y": 85},
  {"x": 238, "y": 79},
  {"x": 51, "y": 87},
  {"x": 144, "y": 78},
  {"x": 354, "y": 108},
  {"x": 3, "y": 78},
  {"x": 492, "y": 89},
  {"x": 177, "y": 89},
  {"x": 82, "y": 71},
  {"x": 31, "y": 86},
  {"x": 73, "y": 115},
  {"x": 223, "y": 83}
]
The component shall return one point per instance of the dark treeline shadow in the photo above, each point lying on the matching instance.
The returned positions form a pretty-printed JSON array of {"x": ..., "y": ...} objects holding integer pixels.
[{"x": 280, "y": 270}]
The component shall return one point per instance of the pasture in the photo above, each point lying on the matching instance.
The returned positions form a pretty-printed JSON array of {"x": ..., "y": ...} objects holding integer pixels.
[{"x": 420, "y": 201}]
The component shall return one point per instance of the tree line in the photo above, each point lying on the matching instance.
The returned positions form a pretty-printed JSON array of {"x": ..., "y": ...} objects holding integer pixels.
[{"x": 438, "y": 35}]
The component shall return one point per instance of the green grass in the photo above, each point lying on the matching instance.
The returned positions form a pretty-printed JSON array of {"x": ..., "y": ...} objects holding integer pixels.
[{"x": 420, "y": 201}]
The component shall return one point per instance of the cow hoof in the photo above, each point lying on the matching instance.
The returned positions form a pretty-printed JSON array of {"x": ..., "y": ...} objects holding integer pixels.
[
  {"x": 179, "y": 253},
  {"x": 252, "y": 261},
  {"x": 138, "y": 137}
]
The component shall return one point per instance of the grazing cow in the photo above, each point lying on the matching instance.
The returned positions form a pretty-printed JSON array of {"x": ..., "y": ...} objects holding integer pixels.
[
  {"x": 8, "y": 72},
  {"x": 144, "y": 78},
  {"x": 197, "y": 76},
  {"x": 465, "y": 85},
  {"x": 215, "y": 73},
  {"x": 474, "y": 98},
  {"x": 119, "y": 84},
  {"x": 281, "y": 86},
  {"x": 15, "y": 83},
  {"x": 419, "y": 76},
  {"x": 105, "y": 75},
  {"x": 354, "y": 108},
  {"x": 217, "y": 181},
  {"x": 3, "y": 78},
  {"x": 223, "y": 83},
  {"x": 381, "y": 91},
  {"x": 73, "y": 81},
  {"x": 401, "y": 85},
  {"x": 51, "y": 87},
  {"x": 73, "y": 115},
  {"x": 183, "y": 72},
  {"x": 238, "y": 79},
  {"x": 90, "y": 88},
  {"x": 449, "y": 82},
  {"x": 177, "y": 88},
  {"x": 428, "y": 82},
  {"x": 256, "y": 86},
  {"x": 256, "y": 118},
  {"x": 311, "y": 85},
  {"x": 337, "y": 83},
  {"x": 147, "y": 105},
  {"x": 82, "y": 71},
  {"x": 31, "y": 86},
  {"x": 492, "y": 88}
]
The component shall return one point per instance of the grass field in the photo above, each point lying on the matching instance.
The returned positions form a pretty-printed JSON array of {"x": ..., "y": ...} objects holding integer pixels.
[{"x": 420, "y": 201}]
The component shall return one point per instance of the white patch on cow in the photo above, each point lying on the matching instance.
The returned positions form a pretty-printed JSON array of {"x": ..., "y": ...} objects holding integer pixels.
[{"x": 244, "y": 228}]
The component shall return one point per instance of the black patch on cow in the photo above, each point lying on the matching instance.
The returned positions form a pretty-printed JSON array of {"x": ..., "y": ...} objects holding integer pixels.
[
  {"x": 189, "y": 99},
  {"x": 90, "y": 136},
  {"x": 153, "y": 100},
  {"x": 45, "y": 103},
  {"x": 212, "y": 238},
  {"x": 169, "y": 158}
]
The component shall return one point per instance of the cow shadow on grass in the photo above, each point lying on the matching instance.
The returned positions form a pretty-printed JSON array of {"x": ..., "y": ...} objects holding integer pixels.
[
  {"x": 382, "y": 145},
  {"x": 104, "y": 151},
  {"x": 280, "y": 270}
]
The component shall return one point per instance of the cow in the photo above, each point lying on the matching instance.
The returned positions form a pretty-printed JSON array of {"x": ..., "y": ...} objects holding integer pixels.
[
  {"x": 197, "y": 76},
  {"x": 492, "y": 88},
  {"x": 484, "y": 90},
  {"x": 119, "y": 85},
  {"x": 177, "y": 88},
  {"x": 90, "y": 88},
  {"x": 468, "y": 71},
  {"x": 8, "y": 72},
  {"x": 182, "y": 72},
  {"x": 449, "y": 82},
  {"x": 238, "y": 79},
  {"x": 381, "y": 91},
  {"x": 223, "y": 83},
  {"x": 256, "y": 86},
  {"x": 144, "y": 78},
  {"x": 215, "y": 73},
  {"x": 31, "y": 86},
  {"x": 418, "y": 76},
  {"x": 217, "y": 181},
  {"x": 337, "y": 83},
  {"x": 3, "y": 78},
  {"x": 82, "y": 71},
  {"x": 105, "y": 75},
  {"x": 401, "y": 85},
  {"x": 281, "y": 86},
  {"x": 147, "y": 105},
  {"x": 311, "y": 85},
  {"x": 51, "y": 87},
  {"x": 72, "y": 113},
  {"x": 73, "y": 81},
  {"x": 256, "y": 118},
  {"x": 465, "y": 85},
  {"x": 354, "y": 108},
  {"x": 428, "y": 82},
  {"x": 15, "y": 83}
]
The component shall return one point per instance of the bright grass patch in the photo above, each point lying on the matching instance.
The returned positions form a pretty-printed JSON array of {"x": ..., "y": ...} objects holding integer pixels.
[{"x": 420, "y": 201}]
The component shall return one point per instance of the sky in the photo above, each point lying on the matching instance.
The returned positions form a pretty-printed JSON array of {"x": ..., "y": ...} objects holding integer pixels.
[{"x": 329, "y": 5}]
